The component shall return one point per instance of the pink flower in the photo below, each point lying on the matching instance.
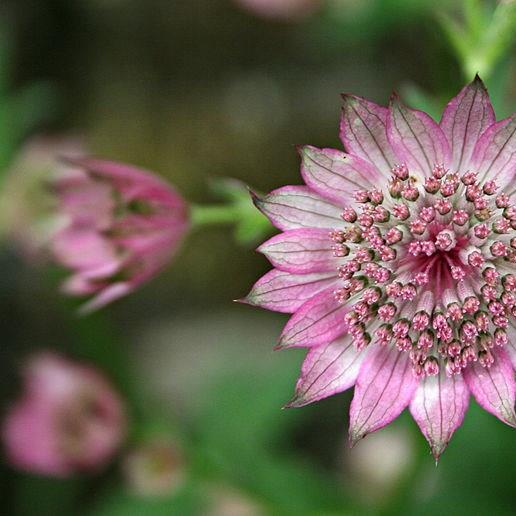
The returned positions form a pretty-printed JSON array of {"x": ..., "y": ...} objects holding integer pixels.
[
  {"x": 68, "y": 419},
  {"x": 397, "y": 261},
  {"x": 124, "y": 225},
  {"x": 281, "y": 9}
]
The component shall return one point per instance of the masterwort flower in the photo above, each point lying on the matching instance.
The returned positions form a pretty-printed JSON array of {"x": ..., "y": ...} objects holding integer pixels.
[
  {"x": 69, "y": 419},
  {"x": 123, "y": 226},
  {"x": 397, "y": 261}
]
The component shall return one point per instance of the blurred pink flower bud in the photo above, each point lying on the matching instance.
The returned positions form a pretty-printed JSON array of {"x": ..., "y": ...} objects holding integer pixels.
[
  {"x": 155, "y": 469},
  {"x": 123, "y": 226},
  {"x": 280, "y": 9},
  {"x": 27, "y": 208},
  {"x": 68, "y": 419}
]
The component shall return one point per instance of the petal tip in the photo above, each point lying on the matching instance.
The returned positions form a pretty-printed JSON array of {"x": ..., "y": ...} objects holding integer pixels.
[
  {"x": 355, "y": 437},
  {"x": 297, "y": 401}
]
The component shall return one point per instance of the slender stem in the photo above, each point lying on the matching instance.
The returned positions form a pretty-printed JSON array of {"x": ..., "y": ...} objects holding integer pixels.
[{"x": 215, "y": 214}]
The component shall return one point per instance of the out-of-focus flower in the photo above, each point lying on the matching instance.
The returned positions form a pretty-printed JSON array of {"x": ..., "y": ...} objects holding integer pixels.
[
  {"x": 27, "y": 207},
  {"x": 281, "y": 9},
  {"x": 398, "y": 262},
  {"x": 123, "y": 226},
  {"x": 68, "y": 419},
  {"x": 374, "y": 469},
  {"x": 155, "y": 469}
]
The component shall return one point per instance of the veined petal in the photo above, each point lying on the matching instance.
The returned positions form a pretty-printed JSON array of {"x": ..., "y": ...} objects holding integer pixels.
[
  {"x": 384, "y": 387},
  {"x": 363, "y": 132},
  {"x": 494, "y": 387},
  {"x": 293, "y": 207},
  {"x": 301, "y": 251},
  {"x": 286, "y": 292},
  {"x": 336, "y": 175},
  {"x": 319, "y": 321},
  {"x": 494, "y": 156},
  {"x": 417, "y": 140},
  {"x": 438, "y": 407},
  {"x": 465, "y": 118},
  {"x": 328, "y": 369}
]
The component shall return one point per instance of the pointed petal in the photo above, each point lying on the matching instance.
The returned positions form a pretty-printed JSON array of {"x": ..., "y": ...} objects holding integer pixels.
[
  {"x": 301, "y": 251},
  {"x": 319, "y": 321},
  {"x": 336, "y": 175},
  {"x": 384, "y": 387},
  {"x": 438, "y": 407},
  {"x": 494, "y": 156},
  {"x": 465, "y": 118},
  {"x": 286, "y": 292},
  {"x": 494, "y": 387},
  {"x": 106, "y": 296},
  {"x": 417, "y": 140},
  {"x": 293, "y": 207},
  {"x": 363, "y": 132},
  {"x": 328, "y": 369}
]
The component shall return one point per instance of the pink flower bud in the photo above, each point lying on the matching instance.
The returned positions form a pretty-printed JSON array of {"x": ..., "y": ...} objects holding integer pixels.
[
  {"x": 123, "y": 226},
  {"x": 68, "y": 419}
]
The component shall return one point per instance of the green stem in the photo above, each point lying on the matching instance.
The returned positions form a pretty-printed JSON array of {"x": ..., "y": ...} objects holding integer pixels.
[{"x": 215, "y": 214}]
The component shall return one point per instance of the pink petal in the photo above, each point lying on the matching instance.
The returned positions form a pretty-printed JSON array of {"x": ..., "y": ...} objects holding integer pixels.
[
  {"x": 336, "y": 175},
  {"x": 83, "y": 249},
  {"x": 465, "y": 118},
  {"x": 363, "y": 132},
  {"x": 319, "y": 321},
  {"x": 494, "y": 388},
  {"x": 301, "y": 251},
  {"x": 132, "y": 182},
  {"x": 285, "y": 292},
  {"x": 417, "y": 140},
  {"x": 328, "y": 369},
  {"x": 106, "y": 296},
  {"x": 438, "y": 406},
  {"x": 384, "y": 387},
  {"x": 494, "y": 156},
  {"x": 293, "y": 207}
]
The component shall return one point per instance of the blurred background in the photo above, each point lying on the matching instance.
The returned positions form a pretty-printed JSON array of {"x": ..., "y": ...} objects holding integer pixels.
[{"x": 198, "y": 90}]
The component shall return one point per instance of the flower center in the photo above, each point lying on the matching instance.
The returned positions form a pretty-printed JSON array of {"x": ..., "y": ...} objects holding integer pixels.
[{"x": 430, "y": 267}]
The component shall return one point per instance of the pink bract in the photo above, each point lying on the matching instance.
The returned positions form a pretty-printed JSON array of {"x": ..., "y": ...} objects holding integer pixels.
[
  {"x": 397, "y": 261},
  {"x": 68, "y": 419},
  {"x": 123, "y": 226}
]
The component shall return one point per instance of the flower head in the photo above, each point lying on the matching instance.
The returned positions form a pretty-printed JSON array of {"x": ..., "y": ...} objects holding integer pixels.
[
  {"x": 68, "y": 419},
  {"x": 123, "y": 226},
  {"x": 397, "y": 260}
]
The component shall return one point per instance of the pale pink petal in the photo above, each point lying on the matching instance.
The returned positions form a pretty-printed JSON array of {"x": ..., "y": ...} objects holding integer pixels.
[
  {"x": 328, "y": 369},
  {"x": 494, "y": 156},
  {"x": 106, "y": 296},
  {"x": 465, "y": 118},
  {"x": 83, "y": 249},
  {"x": 363, "y": 132},
  {"x": 438, "y": 407},
  {"x": 336, "y": 175},
  {"x": 285, "y": 292},
  {"x": 494, "y": 387},
  {"x": 384, "y": 388},
  {"x": 301, "y": 251},
  {"x": 319, "y": 321},
  {"x": 417, "y": 140},
  {"x": 293, "y": 207}
]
